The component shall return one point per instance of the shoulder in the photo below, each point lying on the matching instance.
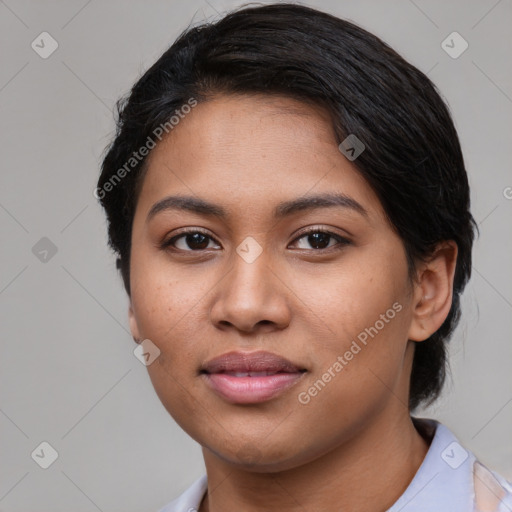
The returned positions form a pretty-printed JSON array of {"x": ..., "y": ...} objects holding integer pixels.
[{"x": 451, "y": 478}]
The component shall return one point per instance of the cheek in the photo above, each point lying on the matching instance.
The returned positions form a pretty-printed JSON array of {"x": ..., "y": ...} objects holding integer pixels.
[
  {"x": 353, "y": 380},
  {"x": 163, "y": 297},
  {"x": 167, "y": 312},
  {"x": 364, "y": 307},
  {"x": 351, "y": 296}
]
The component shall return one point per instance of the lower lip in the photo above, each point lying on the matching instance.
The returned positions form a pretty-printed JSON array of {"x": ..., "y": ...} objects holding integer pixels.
[{"x": 249, "y": 390}]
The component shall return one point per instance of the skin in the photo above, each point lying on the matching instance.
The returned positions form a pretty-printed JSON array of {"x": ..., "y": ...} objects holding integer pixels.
[{"x": 353, "y": 446}]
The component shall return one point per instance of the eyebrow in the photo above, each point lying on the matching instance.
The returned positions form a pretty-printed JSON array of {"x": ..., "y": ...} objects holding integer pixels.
[{"x": 284, "y": 209}]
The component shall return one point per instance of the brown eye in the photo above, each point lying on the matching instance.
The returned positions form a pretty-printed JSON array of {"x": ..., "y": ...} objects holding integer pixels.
[
  {"x": 196, "y": 241},
  {"x": 319, "y": 240},
  {"x": 189, "y": 241}
]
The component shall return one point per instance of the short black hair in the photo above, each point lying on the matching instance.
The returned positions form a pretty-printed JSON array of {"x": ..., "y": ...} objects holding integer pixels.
[{"x": 412, "y": 158}]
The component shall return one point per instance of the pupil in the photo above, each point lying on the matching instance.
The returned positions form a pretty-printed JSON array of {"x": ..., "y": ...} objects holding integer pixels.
[
  {"x": 197, "y": 241},
  {"x": 319, "y": 240}
]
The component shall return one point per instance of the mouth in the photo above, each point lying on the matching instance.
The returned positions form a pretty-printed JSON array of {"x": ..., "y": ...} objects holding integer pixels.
[
  {"x": 251, "y": 387},
  {"x": 244, "y": 378}
]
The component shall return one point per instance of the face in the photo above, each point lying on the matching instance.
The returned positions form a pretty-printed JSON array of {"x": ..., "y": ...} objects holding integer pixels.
[{"x": 323, "y": 285}]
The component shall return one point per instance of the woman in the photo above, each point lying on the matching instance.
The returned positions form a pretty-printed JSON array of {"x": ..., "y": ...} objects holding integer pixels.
[{"x": 288, "y": 201}]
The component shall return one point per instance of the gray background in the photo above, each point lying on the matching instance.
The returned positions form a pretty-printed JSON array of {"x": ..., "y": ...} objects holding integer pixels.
[{"x": 68, "y": 373}]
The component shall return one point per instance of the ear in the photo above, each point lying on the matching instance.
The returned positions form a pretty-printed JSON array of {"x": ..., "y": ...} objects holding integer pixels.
[
  {"x": 433, "y": 291},
  {"x": 134, "y": 327}
]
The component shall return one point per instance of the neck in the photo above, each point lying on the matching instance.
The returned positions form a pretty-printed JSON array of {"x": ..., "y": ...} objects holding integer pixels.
[{"x": 369, "y": 471}]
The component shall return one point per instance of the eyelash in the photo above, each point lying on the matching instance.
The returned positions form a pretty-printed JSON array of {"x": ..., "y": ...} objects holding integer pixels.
[{"x": 168, "y": 244}]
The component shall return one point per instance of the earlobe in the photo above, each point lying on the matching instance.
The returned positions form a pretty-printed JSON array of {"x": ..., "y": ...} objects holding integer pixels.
[
  {"x": 134, "y": 328},
  {"x": 433, "y": 291}
]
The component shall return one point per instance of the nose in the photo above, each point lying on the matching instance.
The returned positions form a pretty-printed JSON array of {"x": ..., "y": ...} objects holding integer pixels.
[{"x": 251, "y": 298}]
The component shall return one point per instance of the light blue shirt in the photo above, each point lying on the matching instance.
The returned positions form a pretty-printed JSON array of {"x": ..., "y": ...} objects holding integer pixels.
[{"x": 450, "y": 479}]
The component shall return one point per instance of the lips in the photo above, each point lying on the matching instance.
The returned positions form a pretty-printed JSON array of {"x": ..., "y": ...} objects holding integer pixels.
[
  {"x": 243, "y": 364},
  {"x": 250, "y": 378}
]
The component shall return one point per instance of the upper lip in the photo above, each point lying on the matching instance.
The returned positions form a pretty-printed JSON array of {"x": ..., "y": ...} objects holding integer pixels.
[{"x": 249, "y": 362}]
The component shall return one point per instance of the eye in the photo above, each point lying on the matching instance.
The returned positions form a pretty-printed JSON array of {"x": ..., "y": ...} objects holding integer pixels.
[
  {"x": 195, "y": 240},
  {"x": 320, "y": 239},
  {"x": 189, "y": 241}
]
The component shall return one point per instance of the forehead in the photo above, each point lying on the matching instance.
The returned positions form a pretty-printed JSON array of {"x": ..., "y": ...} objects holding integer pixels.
[{"x": 251, "y": 152}]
